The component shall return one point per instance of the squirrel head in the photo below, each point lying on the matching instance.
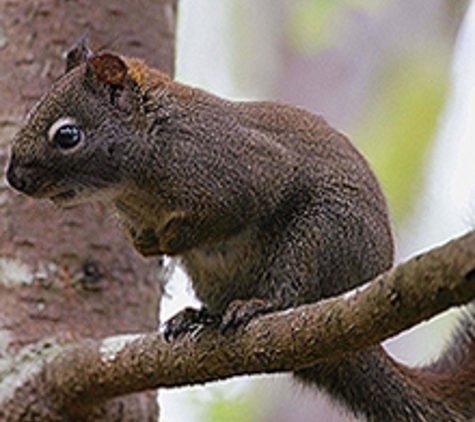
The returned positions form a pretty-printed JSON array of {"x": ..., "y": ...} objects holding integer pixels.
[{"x": 71, "y": 147}]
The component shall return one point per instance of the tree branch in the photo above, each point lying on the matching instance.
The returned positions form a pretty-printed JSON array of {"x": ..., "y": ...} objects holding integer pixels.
[{"x": 426, "y": 285}]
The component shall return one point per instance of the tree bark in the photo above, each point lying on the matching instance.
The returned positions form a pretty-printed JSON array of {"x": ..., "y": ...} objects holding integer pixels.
[
  {"x": 66, "y": 276},
  {"x": 72, "y": 380}
]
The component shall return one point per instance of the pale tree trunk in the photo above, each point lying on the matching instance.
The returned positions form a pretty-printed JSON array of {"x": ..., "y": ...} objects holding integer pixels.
[{"x": 69, "y": 275}]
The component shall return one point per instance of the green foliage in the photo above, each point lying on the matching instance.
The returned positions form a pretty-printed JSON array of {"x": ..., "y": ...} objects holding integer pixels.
[
  {"x": 312, "y": 22},
  {"x": 399, "y": 127},
  {"x": 230, "y": 405}
]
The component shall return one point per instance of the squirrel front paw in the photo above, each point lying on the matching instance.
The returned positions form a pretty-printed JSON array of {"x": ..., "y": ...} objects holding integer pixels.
[
  {"x": 189, "y": 321},
  {"x": 241, "y": 312}
]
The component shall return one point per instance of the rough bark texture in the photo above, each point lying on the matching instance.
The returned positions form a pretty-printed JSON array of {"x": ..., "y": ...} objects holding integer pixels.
[
  {"x": 69, "y": 275},
  {"x": 282, "y": 341}
]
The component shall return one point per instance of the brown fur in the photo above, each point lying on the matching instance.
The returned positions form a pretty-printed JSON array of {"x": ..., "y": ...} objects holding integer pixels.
[{"x": 262, "y": 201}]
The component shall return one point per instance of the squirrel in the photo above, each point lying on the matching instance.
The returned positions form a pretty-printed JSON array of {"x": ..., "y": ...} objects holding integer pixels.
[{"x": 266, "y": 205}]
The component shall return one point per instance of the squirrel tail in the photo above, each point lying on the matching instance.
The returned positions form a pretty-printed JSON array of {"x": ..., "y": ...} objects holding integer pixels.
[{"x": 372, "y": 384}]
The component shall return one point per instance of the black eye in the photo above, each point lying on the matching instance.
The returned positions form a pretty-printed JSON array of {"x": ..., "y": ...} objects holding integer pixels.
[
  {"x": 65, "y": 133},
  {"x": 67, "y": 136}
]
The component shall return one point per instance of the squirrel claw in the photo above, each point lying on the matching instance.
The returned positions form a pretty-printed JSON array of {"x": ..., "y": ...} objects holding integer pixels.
[
  {"x": 189, "y": 321},
  {"x": 241, "y": 312}
]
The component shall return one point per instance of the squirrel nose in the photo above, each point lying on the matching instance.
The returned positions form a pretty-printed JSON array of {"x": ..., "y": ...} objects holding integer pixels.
[{"x": 15, "y": 177}]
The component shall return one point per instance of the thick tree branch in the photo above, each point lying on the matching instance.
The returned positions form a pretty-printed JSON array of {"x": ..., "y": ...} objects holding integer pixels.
[{"x": 414, "y": 291}]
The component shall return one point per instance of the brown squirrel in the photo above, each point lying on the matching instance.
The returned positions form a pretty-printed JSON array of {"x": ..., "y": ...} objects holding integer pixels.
[{"x": 267, "y": 206}]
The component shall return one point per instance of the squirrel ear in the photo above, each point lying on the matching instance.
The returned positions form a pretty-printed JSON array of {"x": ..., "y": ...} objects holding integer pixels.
[
  {"x": 78, "y": 54},
  {"x": 108, "y": 68}
]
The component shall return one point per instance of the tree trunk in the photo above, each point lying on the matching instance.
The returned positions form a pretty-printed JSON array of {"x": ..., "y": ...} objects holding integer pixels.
[{"x": 66, "y": 275}]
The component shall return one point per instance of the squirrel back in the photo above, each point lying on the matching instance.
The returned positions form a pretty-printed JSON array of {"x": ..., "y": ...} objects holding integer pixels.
[{"x": 264, "y": 203}]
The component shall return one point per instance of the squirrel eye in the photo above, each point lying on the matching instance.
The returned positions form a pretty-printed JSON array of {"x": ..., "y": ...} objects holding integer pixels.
[
  {"x": 65, "y": 133},
  {"x": 67, "y": 136}
]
